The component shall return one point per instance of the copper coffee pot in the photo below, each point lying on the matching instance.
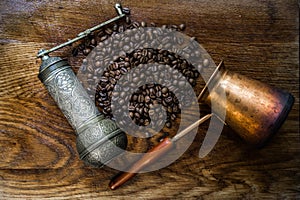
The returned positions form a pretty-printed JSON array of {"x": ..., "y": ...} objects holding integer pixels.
[{"x": 254, "y": 110}]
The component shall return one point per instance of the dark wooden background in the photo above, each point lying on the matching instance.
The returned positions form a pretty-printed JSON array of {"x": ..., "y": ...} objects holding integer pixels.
[{"x": 38, "y": 159}]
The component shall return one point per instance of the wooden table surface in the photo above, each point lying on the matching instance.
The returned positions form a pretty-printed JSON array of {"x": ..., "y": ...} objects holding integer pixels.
[{"x": 38, "y": 158}]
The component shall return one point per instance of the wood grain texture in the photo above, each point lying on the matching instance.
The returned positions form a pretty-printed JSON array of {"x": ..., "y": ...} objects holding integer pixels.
[{"x": 38, "y": 158}]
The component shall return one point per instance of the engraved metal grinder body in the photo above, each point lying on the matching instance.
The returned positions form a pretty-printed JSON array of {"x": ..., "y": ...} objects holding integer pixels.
[{"x": 98, "y": 139}]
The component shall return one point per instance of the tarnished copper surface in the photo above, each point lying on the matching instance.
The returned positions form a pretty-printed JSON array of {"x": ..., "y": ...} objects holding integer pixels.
[{"x": 254, "y": 109}]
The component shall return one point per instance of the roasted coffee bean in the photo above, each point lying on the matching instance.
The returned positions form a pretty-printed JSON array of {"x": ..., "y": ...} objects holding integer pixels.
[
  {"x": 128, "y": 20},
  {"x": 131, "y": 114},
  {"x": 175, "y": 109},
  {"x": 205, "y": 62},
  {"x": 121, "y": 102},
  {"x": 169, "y": 99},
  {"x": 93, "y": 42},
  {"x": 104, "y": 79},
  {"x": 137, "y": 115},
  {"x": 165, "y": 90},
  {"x": 146, "y": 122},
  {"x": 135, "y": 97},
  {"x": 136, "y": 24},
  {"x": 182, "y": 27},
  {"x": 115, "y": 27},
  {"x": 131, "y": 108},
  {"x": 164, "y": 26},
  {"x": 98, "y": 64},
  {"x": 175, "y": 27},
  {"x": 86, "y": 51},
  {"x": 108, "y": 31},
  {"x": 121, "y": 29},
  {"x": 170, "y": 109},
  {"x": 141, "y": 98},
  {"x": 104, "y": 37},
  {"x": 173, "y": 117},
  {"x": 165, "y": 95},
  {"x": 168, "y": 124},
  {"x": 152, "y": 24},
  {"x": 126, "y": 11},
  {"x": 147, "y": 99},
  {"x": 81, "y": 47}
]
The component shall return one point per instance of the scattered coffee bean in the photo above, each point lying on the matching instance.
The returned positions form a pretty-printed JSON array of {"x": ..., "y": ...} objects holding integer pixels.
[
  {"x": 126, "y": 11},
  {"x": 181, "y": 27},
  {"x": 128, "y": 20},
  {"x": 168, "y": 124},
  {"x": 205, "y": 62},
  {"x": 86, "y": 51},
  {"x": 143, "y": 24}
]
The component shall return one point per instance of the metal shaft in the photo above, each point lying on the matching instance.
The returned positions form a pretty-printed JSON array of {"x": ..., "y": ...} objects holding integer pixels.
[{"x": 84, "y": 33}]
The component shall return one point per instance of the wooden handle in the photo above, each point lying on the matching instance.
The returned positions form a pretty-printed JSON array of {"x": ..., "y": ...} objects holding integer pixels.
[{"x": 150, "y": 157}]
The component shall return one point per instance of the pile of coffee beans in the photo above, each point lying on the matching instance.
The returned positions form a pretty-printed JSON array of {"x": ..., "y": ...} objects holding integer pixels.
[
  {"x": 145, "y": 98},
  {"x": 149, "y": 94},
  {"x": 105, "y": 73}
]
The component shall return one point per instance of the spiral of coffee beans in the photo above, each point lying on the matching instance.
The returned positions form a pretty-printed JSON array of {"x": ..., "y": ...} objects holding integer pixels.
[
  {"x": 147, "y": 95},
  {"x": 150, "y": 94}
]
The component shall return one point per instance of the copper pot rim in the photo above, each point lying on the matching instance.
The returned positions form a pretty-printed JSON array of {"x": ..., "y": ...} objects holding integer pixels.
[{"x": 204, "y": 92}]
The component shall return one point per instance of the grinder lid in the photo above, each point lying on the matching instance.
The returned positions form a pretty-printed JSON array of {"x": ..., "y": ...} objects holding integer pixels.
[{"x": 49, "y": 65}]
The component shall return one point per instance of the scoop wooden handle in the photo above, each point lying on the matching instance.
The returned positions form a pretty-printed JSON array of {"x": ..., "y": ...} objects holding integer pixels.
[{"x": 150, "y": 157}]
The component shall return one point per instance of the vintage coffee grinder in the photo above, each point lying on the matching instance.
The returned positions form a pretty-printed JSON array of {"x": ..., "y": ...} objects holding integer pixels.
[
  {"x": 98, "y": 138},
  {"x": 254, "y": 110}
]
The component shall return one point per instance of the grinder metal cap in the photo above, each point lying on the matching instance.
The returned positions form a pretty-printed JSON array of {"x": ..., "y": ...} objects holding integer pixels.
[{"x": 49, "y": 65}]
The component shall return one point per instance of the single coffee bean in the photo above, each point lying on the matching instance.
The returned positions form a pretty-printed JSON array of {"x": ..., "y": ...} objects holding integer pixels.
[
  {"x": 205, "y": 62},
  {"x": 126, "y": 11},
  {"x": 147, "y": 99},
  {"x": 173, "y": 116},
  {"x": 146, "y": 122},
  {"x": 164, "y": 26},
  {"x": 165, "y": 90},
  {"x": 97, "y": 64},
  {"x": 93, "y": 42},
  {"x": 128, "y": 20},
  {"x": 115, "y": 27},
  {"x": 104, "y": 37},
  {"x": 141, "y": 98},
  {"x": 131, "y": 114},
  {"x": 152, "y": 24},
  {"x": 182, "y": 27},
  {"x": 168, "y": 124},
  {"x": 86, "y": 51},
  {"x": 136, "y": 24},
  {"x": 108, "y": 31},
  {"x": 137, "y": 115}
]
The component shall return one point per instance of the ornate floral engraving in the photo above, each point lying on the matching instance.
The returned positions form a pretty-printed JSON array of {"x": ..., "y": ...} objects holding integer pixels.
[
  {"x": 83, "y": 116},
  {"x": 76, "y": 106}
]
